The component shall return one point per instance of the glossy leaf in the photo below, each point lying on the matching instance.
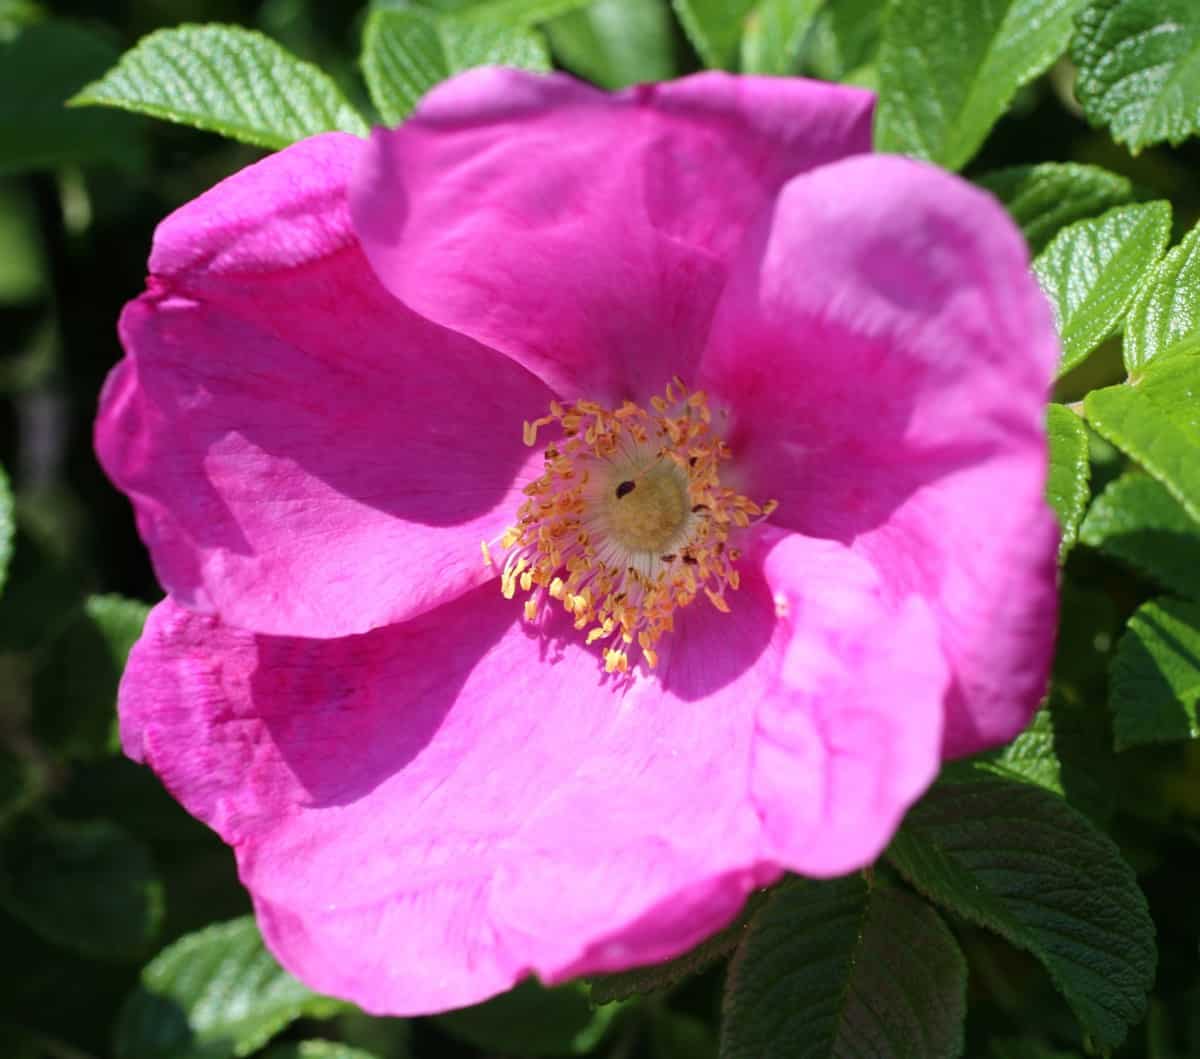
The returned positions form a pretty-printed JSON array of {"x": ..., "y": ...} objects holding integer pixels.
[
  {"x": 1139, "y": 68},
  {"x": 1067, "y": 480},
  {"x": 715, "y": 28},
  {"x": 1139, "y": 522},
  {"x": 840, "y": 968},
  {"x": 407, "y": 52},
  {"x": 1167, "y": 308},
  {"x": 1010, "y": 857},
  {"x": 227, "y": 80},
  {"x": 947, "y": 71},
  {"x": 775, "y": 30},
  {"x": 215, "y": 994},
  {"x": 1092, "y": 270},
  {"x": 1156, "y": 675}
]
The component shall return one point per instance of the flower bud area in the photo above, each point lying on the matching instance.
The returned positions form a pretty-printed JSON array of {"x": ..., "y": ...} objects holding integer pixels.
[{"x": 628, "y": 521}]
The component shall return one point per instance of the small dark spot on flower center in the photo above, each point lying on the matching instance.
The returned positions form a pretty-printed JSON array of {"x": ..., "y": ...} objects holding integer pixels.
[{"x": 624, "y": 489}]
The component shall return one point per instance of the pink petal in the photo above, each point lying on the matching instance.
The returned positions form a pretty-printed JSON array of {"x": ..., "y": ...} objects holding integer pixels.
[
  {"x": 428, "y": 812},
  {"x": 888, "y": 358},
  {"x": 304, "y": 454},
  {"x": 588, "y": 235}
]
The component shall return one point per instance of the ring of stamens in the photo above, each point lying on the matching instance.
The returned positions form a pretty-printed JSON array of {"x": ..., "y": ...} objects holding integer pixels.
[{"x": 628, "y": 521}]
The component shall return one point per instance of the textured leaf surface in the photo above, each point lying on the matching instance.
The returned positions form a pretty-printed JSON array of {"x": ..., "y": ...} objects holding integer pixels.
[
  {"x": 714, "y": 27},
  {"x": 228, "y": 80},
  {"x": 75, "y": 683},
  {"x": 774, "y": 32},
  {"x": 1156, "y": 674},
  {"x": 407, "y": 52},
  {"x": 532, "y": 1020},
  {"x": 214, "y": 994},
  {"x": 1157, "y": 422},
  {"x": 1139, "y": 522},
  {"x": 1067, "y": 480},
  {"x": 41, "y": 65},
  {"x": 839, "y": 969},
  {"x": 1092, "y": 270},
  {"x": 1044, "y": 198},
  {"x": 1167, "y": 307},
  {"x": 1011, "y": 857},
  {"x": 947, "y": 71},
  {"x": 616, "y": 43},
  {"x": 1139, "y": 68},
  {"x": 87, "y": 886}
]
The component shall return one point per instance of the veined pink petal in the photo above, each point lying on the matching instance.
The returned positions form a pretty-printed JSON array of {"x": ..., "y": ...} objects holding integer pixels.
[
  {"x": 588, "y": 235},
  {"x": 304, "y": 454},
  {"x": 483, "y": 800},
  {"x": 887, "y": 358}
]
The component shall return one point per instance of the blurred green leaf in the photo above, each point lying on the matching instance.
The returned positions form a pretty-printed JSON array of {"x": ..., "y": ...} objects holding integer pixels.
[
  {"x": 90, "y": 887},
  {"x": 41, "y": 65},
  {"x": 407, "y": 52},
  {"x": 317, "y": 1050},
  {"x": 1156, "y": 675},
  {"x": 1025, "y": 1048},
  {"x": 1018, "y": 860},
  {"x": 1139, "y": 68},
  {"x": 8, "y": 528},
  {"x": 616, "y": 43},
  {"x": 1093, "y": 268},
  {"x": 1067, "y": 480},
  {"x": 714, "y": 27},
  {"x": 23, "y": 275},
  {"x": 844, "y": 42},
  {"x": 677, "y": 1036},
  {"x": 841, "y": 968},
  {"x": 533, "y": 1020},
  {"x": 657, "y": 977},
  {"x": 774, "y": 33},
  {"x": 227, "y": 80},
  {"x": 75, "y": 682},
  {"x": 1157, "y": 422},
  {"x": 1139, "y": 522},
  {"x": 1044, "y": 198},
  {"x": 215, "y": 994},
  {"x": 518, "y": 13},
  {"x": 947, "y": 71},
  {"x": 21, "y": 783},
  {"x": 1167, "y": 307}
]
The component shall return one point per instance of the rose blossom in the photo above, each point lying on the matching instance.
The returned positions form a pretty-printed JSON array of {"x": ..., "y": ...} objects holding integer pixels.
[{"x": 748, "y": 423}]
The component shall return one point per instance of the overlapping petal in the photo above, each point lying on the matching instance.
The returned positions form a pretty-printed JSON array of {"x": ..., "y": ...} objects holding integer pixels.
[
  {"x": 588, "y": 235},
  {"x": 305, "y": 455},
  {"x": 886, "y": 357},
  {"x": 429, "y": 811}
]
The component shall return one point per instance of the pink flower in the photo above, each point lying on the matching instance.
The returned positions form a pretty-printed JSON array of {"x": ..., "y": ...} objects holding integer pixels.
[{"x": 330, "y": 382}]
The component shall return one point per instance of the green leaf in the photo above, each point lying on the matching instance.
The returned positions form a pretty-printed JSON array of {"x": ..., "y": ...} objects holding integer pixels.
[
  {"x": 839, "y": 968},
  {"x": 1139, "y": 68},
  {"x": 714, "y": 27},
  {"x": 1045, "y": 198},
  {"x": 1019, "y": 860},
  {"x": 533, "y": 1020},
  {"x": 41, "y": 65},
  {"x": 228, "y": 80},
  {"x": 1167, "y": 308},
  {"x": 1137, "y": 521},
  {"x": 87, "y": 886},
  {"x": 677, "y": 1036},
  {"x": 75, "y": 682},
  {"x": 519, "y": 13},
  {"x": 844, "y": 43},
  {"x": 775, "y": 31},
  {"x": 947, "y": 71},
  {"x": 407, "y": 52},
  {"x": 1157, "y": 422},
  {"x": 8, "y": 528},
  {"x": 616, "y": 43},
  {"x": 1092, "y": 270},
  {"x": 657, "y": 977},
  {"x": 214, "y": 994},
  {"x": 1067, "y": 481},
  {"x": 317, "y": 1050},
  {"x": 1156, "y": 675},
  {"x": 21, "y": 783}
]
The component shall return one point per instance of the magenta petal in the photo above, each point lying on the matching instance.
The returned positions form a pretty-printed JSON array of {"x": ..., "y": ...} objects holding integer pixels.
[
  {"x": 599, "y": 228},
  {"x": 304, "y": 454},
  {"x": 888, "y": 357},
  {"x": 487, "y": 803}
]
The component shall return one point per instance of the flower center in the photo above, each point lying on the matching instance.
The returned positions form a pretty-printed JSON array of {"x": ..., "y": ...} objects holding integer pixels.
[{"x": 628, "y": 521}]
